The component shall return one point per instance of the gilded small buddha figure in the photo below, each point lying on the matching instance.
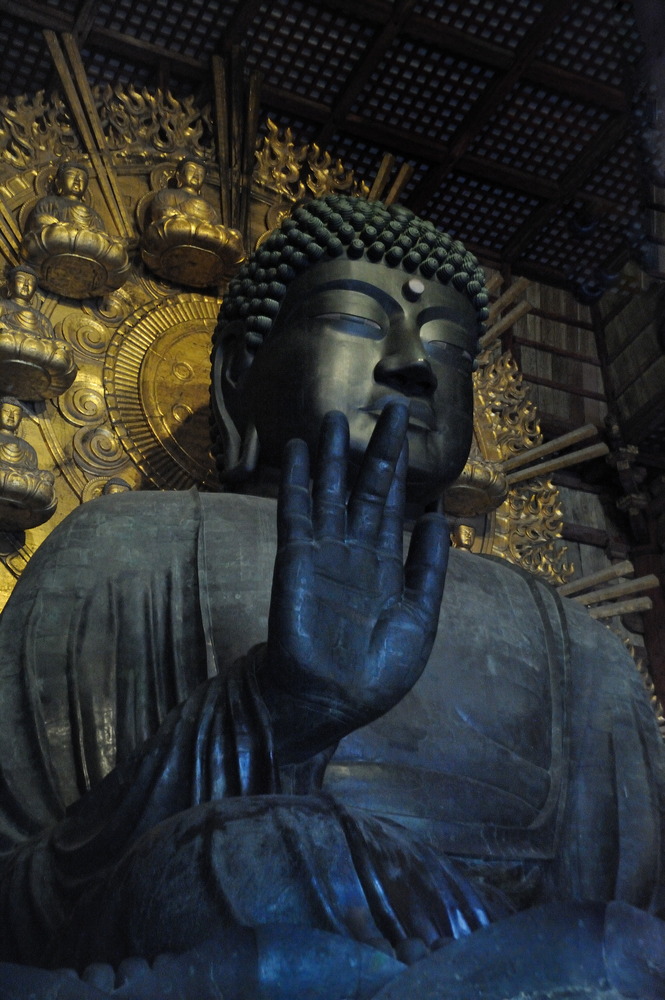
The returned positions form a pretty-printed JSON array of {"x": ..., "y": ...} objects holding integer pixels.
[
  {"x": 34, "y": 363},
  {"x": 463, "y": 537},
  {"x": 66, "y": 241},
  {"x": 27, "y": 494},
  {"x": 184, "y": 240}
]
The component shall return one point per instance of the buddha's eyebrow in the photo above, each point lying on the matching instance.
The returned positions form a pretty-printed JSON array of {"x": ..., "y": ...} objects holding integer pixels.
[
  {"x": 441, "y": 312},
  {"x": 389, "y": 303}
]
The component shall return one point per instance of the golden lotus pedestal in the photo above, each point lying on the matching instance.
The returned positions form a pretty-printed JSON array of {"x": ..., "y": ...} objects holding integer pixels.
[
  {"x": 74, "y": 276},
  {"x": 27, "y": 498},
  {"x": 188, "y": 265},
  {"x": 76, "y": 263},
  {"x": 34, "y": 368},
  {"x": 480, "y": 488},
  {"x": 200, "y": 256}
]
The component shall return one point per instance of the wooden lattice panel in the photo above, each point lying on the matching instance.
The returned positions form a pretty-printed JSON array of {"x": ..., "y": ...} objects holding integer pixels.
[
  {"x": 617, "y": 177},
  {"x": 479, "y": 212},
  {"x": 25, "y": 64},
  {"x": 306, "y": 49},
  {"x": 442, "y": 90},
  {"x": 505, "y": 21},
  {"x": 596, "y": 39},
  {"x": 191, "y": 27},
  {"x": 364, "y": 158},
  {"x": 559, "y": 247},
  {"x": 103, "y": 68},
  {"x": 539, "y": 131}
]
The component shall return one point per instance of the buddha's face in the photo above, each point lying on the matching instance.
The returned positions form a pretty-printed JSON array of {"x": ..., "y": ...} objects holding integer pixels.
[
  {"x": 354, "y": 336},
  {"x": 72, "y": 181},
  {"x": 22, "y": 285},
  {"x": 191, "y": 175},
  {"x": 10, "y": 416}
]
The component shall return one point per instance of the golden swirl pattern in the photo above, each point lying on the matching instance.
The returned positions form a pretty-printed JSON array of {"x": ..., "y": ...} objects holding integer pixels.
[
  {"x": 86, "y": 335},
  {"x": 97, "y": 450}
]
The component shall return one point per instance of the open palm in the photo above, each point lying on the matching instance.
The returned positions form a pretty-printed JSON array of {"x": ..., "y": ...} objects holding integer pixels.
[{"x": 350, "y": 627}]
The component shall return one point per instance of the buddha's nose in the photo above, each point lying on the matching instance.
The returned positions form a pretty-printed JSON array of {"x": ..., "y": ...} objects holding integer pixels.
[{"x": 407, "y": 369}]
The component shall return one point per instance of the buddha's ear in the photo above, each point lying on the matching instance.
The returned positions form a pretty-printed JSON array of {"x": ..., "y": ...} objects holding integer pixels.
[
  {"x": 231, "y": 363},
  {"x": 236, "y": 360}
]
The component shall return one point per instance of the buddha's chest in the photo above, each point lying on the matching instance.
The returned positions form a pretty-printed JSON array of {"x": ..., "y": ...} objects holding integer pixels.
[{"x": 478, "y": 741}]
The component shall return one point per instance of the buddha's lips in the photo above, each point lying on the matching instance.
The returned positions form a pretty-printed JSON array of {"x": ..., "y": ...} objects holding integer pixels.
[{"x": 421, "y": 413}]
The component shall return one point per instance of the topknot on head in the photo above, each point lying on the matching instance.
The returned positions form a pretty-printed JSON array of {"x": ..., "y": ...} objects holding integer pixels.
[{"x": 339, "y": 224}]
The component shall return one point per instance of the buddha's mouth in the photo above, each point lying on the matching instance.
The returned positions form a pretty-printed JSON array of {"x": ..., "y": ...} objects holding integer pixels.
[{"x": 421, "y": 413}]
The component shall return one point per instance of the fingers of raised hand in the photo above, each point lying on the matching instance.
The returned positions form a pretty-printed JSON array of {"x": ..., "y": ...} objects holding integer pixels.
[
  {"x": 426, "y": 564},
  {"x": 329, "y": 487},
  {"x": 391, "y": 530},
  {"x": 367, "y": 502},
  {"x": 294, "y": 517}
]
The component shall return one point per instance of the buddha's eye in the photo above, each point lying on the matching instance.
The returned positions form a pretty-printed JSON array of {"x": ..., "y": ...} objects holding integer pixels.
[
  {"x": 354, "y": 326},
  {"x": 446, "y": 353}
]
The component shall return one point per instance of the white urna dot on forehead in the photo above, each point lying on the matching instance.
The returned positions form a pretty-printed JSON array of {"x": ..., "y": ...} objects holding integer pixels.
[{"x": 413, "y": 289}]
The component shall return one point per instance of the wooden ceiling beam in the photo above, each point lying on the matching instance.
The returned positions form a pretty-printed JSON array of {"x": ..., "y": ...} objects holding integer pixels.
[
  {"x": 447, "y": 38},
  {"x": 510, "y": 177},
  {"x": 84, "y": 20},
  {"x": 294, "y": 104},
  {"x": 418, "y": 27},
  {"x": 409, "y": 146},
  {"x": 143, "y": 52},
  {"x": 569, "y": 185},
  {"x": 37, "y": 14},
  {"x": 364, "y": 68},
  {"x": 491, "y": 99},
  {"x": 244, "y": 14},
  {"x": 583, "y": 88}
]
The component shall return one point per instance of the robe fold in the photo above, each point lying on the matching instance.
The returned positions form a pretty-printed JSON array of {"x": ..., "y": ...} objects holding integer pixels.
[{"x": 143, "y": 801}]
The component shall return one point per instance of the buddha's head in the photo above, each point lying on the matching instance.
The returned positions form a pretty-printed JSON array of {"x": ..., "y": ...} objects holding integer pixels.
[
  {"x": 464, "y": 536},
  {"x": 11, "y": 414},
  {"x": 71, "y": 180},
  {"x": 190, "y": 173},
  {"x": 22, "y": 283},
  {"x": 350, "y": 305}
]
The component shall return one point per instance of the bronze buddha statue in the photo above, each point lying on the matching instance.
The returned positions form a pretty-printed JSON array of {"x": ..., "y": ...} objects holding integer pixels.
[
  {"x": 34, "y": 363},
  {"x": 173, "y": 782},
  {"x": 27, "y": 493},
  {"x": 66, "y": 241},
  {"x": 183, "y": 239}
]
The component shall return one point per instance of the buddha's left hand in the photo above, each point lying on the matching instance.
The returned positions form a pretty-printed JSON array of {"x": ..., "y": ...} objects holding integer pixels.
[{"x": 351, "y": 627}]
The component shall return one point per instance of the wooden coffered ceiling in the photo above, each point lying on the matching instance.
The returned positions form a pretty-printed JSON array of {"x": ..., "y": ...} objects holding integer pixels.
[{"x": 513, "y": 115}]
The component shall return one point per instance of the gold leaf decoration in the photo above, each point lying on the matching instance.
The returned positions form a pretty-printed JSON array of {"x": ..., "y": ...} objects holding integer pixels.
[
  {"x": 139, "y": 123},
  {"x": 527, "y": 525},
  {"x": 34, "y": 129},
  {"x": 295, "y": 172},
  {"x": 279, "y": 163}
]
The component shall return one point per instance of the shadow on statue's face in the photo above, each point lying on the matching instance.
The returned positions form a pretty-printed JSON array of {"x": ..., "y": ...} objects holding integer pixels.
[
  {"x": 71, "y": 181},
  {"x": 10, "y": 416},
  {"x": 22, "y": 285},
  {"x": 353, "y": 336},
  {"x": 190, "y": 174}
]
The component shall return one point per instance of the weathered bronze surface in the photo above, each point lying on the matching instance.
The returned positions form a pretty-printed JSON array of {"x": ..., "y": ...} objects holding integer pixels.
[{"x": 357, "y": 773}]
